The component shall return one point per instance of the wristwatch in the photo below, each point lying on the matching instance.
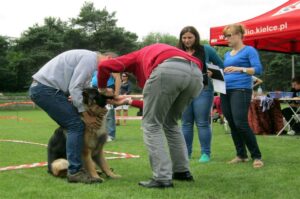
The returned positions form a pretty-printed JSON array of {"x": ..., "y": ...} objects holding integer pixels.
[{"x": 244, "y": 70}]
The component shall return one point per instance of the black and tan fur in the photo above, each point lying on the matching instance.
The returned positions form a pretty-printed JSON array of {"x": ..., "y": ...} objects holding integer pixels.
[{"x": 94, "y": 140}]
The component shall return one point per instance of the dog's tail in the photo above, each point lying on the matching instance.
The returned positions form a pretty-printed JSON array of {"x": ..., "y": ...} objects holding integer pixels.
[{"x": 59, "y": 167}]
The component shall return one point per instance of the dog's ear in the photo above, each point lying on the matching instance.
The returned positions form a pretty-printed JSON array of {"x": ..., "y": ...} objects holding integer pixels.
[{"x": 85, "y": 96}]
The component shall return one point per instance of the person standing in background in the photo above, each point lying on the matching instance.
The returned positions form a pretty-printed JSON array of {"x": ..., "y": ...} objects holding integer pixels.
[
  {"x": 199, "y": 111},
  {"x": 114, "y": 82},
  {"x": 288, "y": 112},
  {"x": 125, "y": 89},
  {"x": 239, "y": 65}
]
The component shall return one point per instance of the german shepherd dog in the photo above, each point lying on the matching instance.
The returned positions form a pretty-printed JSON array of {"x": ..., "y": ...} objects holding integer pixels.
[{"x": 94, "y": 140}]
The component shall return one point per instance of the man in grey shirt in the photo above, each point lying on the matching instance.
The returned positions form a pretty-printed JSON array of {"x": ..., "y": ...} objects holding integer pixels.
[{"x": 66, "y": 75}]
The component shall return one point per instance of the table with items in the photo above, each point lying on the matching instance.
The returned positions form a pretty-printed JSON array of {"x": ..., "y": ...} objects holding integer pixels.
[
  {"x": 265, "y": 116},
  {"x": 296, "y": 113}
]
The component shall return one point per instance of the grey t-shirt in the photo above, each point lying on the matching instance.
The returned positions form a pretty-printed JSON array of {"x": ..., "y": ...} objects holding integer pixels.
[{"x": 71, "y": 72}]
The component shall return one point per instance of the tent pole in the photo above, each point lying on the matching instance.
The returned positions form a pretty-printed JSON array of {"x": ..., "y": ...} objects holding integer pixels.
[{"x": 293, "y": 66}]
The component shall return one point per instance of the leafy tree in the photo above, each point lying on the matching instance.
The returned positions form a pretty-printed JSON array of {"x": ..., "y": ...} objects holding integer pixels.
[
  {"x": 93, "y": 20},
  {"x": 75, "y": 39},
  {"x": 3, "y": 50},
  {"x": 102, "y": 32},
  {"x": 221, "y": 50},
  {"x": 156, "y": 37},
  {"x": 93, "y": 29},
  {"x": 278, "y": 70},
  {"x": 34, "y": 48},
  {"x": 4, "y": 71}
]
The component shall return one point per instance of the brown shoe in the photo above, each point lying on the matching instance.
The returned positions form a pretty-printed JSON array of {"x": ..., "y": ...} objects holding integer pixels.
[
  {"x": 238, "y": 160},
  {"x": 258, "y": 163},
  {"x": 82, "y": 177}
]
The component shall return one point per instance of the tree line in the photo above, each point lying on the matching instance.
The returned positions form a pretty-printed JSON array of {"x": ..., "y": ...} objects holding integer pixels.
[{"x": 96, "y": 29}]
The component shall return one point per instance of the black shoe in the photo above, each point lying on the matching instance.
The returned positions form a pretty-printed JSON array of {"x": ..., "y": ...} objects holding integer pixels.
[
  {"x": 156, "y": 184},
  {"x": 183, "y": 176}
]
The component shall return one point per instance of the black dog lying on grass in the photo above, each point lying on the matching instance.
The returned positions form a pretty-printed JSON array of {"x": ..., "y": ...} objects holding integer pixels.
[{"x": 94, "y": 140}]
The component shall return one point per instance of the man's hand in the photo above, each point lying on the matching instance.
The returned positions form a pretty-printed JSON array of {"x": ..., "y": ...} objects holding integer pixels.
[
  {"x": 120, "y": 100},
  {"x": 90, "y": 121},
  {"x": 209, "y": 73},
  {"x": 70, "y": 98}
]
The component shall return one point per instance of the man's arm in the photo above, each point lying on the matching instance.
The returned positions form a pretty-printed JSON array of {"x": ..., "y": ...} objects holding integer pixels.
[
  {"x": 80, "y": 79},
  {"x": 125, "y": 100},
  {"x": 115, "y": 65},
  {"x": 117, "y": 78}
]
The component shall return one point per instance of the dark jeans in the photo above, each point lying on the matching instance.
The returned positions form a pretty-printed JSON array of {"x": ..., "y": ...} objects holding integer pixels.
[
  {"x": 198, "y": 112},
  {"x": 56, "y": 104},
  {"x": 235, "y": 104}
]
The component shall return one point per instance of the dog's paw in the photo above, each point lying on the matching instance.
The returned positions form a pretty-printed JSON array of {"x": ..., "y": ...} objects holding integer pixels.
[
  {"x": 96, "y": 180},
  {"x": 100, "y": 173},
  {"x": 114, "y": 176}
]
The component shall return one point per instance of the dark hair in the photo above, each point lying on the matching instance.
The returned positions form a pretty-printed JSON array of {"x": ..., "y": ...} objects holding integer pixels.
[
  {"x": 192, "y": 30},
  {"x": 296, "y": 79},
  {"x": 199, "y": 49}
]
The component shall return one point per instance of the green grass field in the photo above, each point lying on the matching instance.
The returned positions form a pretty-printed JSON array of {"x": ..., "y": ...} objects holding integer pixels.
[{"x": 280, "y": 178}]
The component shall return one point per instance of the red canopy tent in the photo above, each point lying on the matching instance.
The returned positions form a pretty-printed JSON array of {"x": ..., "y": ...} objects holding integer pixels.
[{"x": 277, "y": 30}]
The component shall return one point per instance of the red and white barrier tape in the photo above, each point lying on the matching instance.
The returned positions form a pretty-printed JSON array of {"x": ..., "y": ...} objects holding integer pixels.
[
  {"x": 129, "y": 117},
  {"x": 42, "y": 164},
  {"x": 24, "y": 166},
  {"x": 14, "y": 118},
  {"x": 13, "y": 103},
  {"x": 23, "y": 142},
  {"x": 24, "y": 119},
  {"x": 32, "y": 103}
]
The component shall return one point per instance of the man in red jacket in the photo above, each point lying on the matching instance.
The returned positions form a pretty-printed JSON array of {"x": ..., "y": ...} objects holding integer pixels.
[{"x": 171, "y": 78}]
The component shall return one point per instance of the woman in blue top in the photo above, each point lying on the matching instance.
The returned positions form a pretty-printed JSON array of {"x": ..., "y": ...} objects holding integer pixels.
[
  {"x": 200, "y": 108},
  {"x": 239, "y": 65}
]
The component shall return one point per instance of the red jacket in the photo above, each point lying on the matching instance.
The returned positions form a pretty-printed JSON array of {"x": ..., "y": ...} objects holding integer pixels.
[
  {"x": 137, "y": 103},
  {"x": 141, "y": 62}
]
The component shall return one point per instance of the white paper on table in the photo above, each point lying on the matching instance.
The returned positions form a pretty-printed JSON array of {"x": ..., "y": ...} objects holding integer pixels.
[{"x": 217, "y": 78}]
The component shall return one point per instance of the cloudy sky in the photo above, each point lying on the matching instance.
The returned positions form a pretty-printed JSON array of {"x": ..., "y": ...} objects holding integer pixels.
[{"x": 138, "y": 16}]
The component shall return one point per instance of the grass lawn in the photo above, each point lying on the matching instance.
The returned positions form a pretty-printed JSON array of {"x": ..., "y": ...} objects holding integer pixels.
[{"x": 280, "y": 178}]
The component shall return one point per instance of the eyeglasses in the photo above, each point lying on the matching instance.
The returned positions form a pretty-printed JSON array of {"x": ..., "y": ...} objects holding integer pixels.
[{"x": 226, "y": 36}]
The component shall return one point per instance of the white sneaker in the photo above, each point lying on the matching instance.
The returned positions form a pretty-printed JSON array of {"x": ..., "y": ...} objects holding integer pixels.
[
  {"x": 109, "y": 139},
  {"x": 291, "y": 132}
]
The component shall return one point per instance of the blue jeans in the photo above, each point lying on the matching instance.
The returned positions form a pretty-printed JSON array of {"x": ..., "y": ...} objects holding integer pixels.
[
  {"x": 56, "y": 105},
  {"x": 199, "y": 112},
  {"x": 235, "y": 105},
  {"x": 111, "y": 122}
]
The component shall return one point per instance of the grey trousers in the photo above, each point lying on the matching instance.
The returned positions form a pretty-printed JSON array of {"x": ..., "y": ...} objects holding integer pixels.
[{"x": 170, "y": 88}]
